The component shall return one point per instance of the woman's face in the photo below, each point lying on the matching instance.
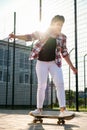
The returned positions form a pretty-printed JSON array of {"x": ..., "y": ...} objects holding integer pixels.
[{"x": 56, "y": 28}]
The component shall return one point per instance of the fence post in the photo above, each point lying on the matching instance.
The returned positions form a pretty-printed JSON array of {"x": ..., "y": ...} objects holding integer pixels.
[
  {"x": 76, "y": 54},
  {"x": 85, "y": 78},
  {"x": 13, "y": 82},
  {"x": 69, "y": 76},
  {"x": 7, "y": 73}
]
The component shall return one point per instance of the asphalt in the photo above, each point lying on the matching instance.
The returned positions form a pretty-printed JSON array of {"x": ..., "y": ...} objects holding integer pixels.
[{"x": 20, "y": 120}]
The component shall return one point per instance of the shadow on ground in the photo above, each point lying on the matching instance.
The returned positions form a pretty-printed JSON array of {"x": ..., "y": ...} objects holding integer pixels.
[
  {"x": 36, "y": 127},
  {"x": 40, "y": 126}
]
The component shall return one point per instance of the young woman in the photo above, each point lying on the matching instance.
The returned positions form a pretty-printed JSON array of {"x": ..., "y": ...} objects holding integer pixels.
[{"x": 48, "y": 50}]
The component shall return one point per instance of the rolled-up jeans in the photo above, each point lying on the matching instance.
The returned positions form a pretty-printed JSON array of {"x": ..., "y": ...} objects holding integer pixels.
[{"x": 42, "y": 70}]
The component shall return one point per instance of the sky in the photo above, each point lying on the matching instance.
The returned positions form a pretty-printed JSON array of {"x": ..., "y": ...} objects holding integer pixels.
[{"x": 27, "y": 16}]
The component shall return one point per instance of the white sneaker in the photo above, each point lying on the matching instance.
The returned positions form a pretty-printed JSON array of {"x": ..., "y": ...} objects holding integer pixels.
[
  {"x": 66, "y": 113},
  {"x": 35, "y": 112}
]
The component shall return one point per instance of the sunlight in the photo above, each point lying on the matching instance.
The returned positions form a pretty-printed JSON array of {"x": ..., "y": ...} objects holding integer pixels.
[
  {"x": 27, "y": 19},
  {"x": 43, "y": 26}
]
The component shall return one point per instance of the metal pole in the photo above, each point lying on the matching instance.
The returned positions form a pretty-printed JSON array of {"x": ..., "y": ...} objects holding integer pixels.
[
  {"x": 31, "y": 82},
  {"x": 69, "y": 76},
  {"x": 13, "y": 83},
  {"x": 85, "y": 78},
  {"x": 76, "y": 53},
  {"x": 51, "y": 93},
  {"x": 7, "y": 74},
  {"x": 40, "y": 10}
]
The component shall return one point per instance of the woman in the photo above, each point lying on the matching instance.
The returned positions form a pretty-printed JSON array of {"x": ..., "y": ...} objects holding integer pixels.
[{"x": 48, "y": 50}]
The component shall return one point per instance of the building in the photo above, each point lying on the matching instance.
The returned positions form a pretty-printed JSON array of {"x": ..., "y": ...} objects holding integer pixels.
[{"x": 22, "y": 89}]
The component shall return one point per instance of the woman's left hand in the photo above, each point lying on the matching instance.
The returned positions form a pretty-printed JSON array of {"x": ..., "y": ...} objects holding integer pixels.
[{"x": 75, "y": 71}]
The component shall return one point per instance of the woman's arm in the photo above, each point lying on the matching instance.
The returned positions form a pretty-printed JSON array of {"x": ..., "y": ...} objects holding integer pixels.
[
  {"x": 27, "y": 37},
  {"x": 21, "y": 37},
  {"x": 67, "y": 59}
]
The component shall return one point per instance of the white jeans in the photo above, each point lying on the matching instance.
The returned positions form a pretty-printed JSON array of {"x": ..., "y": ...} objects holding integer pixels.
[{"x": 42, "y": 70}]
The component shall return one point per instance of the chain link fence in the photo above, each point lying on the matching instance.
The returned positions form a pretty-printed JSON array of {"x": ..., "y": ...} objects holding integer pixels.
[{"x": 20, "y": 90}]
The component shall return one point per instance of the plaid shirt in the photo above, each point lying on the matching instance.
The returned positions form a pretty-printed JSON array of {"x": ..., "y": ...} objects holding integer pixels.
[{"x": 61, "y": 48}]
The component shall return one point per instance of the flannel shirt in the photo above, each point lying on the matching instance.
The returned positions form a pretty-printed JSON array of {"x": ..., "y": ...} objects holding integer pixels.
[{"x": 61, "y": 48}]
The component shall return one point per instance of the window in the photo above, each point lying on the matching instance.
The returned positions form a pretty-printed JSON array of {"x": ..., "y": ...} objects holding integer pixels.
[
  {"x": 1, "y": 57},
  {"x": 6, "y": 58},
  {"x": 23, "y": 77},
  {"x": 21, "y": 60},
  {"x": 0, "y": 75},
  {"x": 26, "y": 78},
  {"x": 5, "y": 76},
  {"x": 24, "y": 61}
]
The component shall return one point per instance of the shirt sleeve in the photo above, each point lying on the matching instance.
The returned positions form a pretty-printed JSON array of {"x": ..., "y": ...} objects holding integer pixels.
[
  {"x": 34, "y": 36},
  {"x": 64, "y": 50}
]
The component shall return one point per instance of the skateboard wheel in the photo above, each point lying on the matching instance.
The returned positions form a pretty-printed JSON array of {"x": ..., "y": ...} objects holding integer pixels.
[
  {"x": 34, "y": 121},
  {"x": 41, "y": 121},
  {"x": 61, "y": 122},
  {"x": 58, "y": 122},
  {"x": 37, "y": 120}
]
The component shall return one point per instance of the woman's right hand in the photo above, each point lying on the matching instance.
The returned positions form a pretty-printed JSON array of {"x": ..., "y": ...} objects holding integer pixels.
[{"x": 12, "y": 35}]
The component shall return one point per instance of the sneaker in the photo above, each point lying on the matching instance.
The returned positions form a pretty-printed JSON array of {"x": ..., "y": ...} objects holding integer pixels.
[
  {"x": 66, "y": 113},
  {"x": 35, "y": 112}
]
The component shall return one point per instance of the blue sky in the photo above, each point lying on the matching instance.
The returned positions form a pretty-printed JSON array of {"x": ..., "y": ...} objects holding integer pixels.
[
  {"x": 5, "y": 3},
  {"x": 27, "y": 16}
]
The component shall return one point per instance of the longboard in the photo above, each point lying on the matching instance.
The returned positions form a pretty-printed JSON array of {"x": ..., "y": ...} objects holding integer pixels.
[{"x": 60, "y": 120}]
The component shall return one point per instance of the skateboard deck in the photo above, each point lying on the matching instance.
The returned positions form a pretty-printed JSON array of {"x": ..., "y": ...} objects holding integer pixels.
[{"x": 60, "y": 120}]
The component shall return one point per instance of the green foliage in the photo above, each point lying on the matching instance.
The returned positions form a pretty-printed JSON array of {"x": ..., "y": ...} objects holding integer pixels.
[{"x": 71, "y": 99}]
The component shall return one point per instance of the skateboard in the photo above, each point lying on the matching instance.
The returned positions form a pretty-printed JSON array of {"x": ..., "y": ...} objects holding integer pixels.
[{"x": 60, "y": 120}]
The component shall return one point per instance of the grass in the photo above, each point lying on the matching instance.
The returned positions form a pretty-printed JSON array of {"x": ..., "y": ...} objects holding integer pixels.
[{"x": 81, "y": 109}]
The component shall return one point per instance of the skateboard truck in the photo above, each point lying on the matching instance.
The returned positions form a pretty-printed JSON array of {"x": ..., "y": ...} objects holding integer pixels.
[{"x": 59, "y": 122}]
